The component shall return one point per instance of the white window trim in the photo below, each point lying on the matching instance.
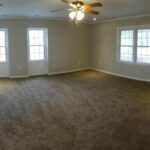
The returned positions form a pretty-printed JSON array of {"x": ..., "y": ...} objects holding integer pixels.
[
  {"x": 45, "y": 47},
  {"x": 134, "y": 28},
  {"x": 6, "y": 47}
]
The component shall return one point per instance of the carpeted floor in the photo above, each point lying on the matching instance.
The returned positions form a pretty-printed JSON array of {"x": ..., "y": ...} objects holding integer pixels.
[{"x": 86, "y": 110}]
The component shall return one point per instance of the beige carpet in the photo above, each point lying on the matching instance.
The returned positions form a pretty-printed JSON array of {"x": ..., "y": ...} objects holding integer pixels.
[{"x": 86, "y": 110}]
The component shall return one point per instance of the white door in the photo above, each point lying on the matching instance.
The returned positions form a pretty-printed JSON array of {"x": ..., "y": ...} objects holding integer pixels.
[{"x": 38, "y": 51}]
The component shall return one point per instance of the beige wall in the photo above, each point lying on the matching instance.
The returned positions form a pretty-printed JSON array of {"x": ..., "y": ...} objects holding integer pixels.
[
  {"x": 91, "y": 45},
  {"x": 68, "y": 44},
  {"x": 104, "y": 48}
]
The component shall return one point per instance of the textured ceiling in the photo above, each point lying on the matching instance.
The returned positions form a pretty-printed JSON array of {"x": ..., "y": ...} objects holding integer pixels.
[{"x": 41, "y": 8}]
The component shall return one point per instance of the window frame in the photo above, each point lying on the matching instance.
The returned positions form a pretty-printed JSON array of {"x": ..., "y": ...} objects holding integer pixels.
[
  {"x": 135, "y": 43},
  {"x": 45, "y": 44},
  {"x": 141, "y": 46},
  {"x": 6, "y": 46}
]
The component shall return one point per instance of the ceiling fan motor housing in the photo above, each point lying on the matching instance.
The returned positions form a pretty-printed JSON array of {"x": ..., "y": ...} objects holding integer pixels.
[{"x": 78, "y": 4}]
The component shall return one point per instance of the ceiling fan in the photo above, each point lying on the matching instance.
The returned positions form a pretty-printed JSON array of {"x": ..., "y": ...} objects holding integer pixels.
[{"x": 79, "y": 8}]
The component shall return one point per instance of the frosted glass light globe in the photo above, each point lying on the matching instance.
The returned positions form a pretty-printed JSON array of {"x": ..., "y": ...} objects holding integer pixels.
[
  {"x": 80, "y": 15},
  {"x": 72, "y": 15}
]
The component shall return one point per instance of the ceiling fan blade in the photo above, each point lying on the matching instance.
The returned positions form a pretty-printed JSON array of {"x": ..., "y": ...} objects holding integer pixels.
[
  {"x": 66, "y": 1},
  {"x": 91, "y": 12},
  {"x": 93, "y": 5}
]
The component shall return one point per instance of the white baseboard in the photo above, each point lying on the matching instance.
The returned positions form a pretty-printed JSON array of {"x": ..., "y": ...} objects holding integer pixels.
[
  {"x": 52, "y": 73},
  {"x": 1, "y": 77},
  {"x": 21, "y": 77},
  {"x": 121, "y": 75},
  {"x": 75, "y": 70},
  {"x": 33, "y": 75},
  {"x": 67, "y": 71},
  {"x": 26, "y": 76}
]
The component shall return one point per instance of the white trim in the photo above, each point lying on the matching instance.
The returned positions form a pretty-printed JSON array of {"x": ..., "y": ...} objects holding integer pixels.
[
  {"x": 19, "y": 77},
  {"x": 52, "y": 73},
  {"x": 120, "y": 75},
  {"x": 118, "y": 52},
  {"x": 6, "y": 53},
  {"x": 135, "y": 29},
  {"x": 62, "y": 19},
  {"x": 66, "y": 19},
  {"x": 121, "y": 18},
  {"x": 44, "y": 74},
  {"x": 95, "y": 69},
  {"x": 6, "y": 45},
  {"x": 1, "y": 77},
  {"x": 45, "y": 31},
  {"x": 143, "y": 26},
  {"x": 67, "y": 71}
]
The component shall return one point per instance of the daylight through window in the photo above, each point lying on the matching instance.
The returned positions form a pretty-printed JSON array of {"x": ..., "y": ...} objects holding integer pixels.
[
  {"x": 134, "y": 45},
  {"x": 37, "y": 44}
]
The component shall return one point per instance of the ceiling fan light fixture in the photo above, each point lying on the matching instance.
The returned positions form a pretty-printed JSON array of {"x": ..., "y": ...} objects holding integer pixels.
[
  {"x": 80, "y": 15},
  {"x": 72, "y": 5},
  {"x": 82, "y": 7},
  {"x": 79, "y": 9},
  {"x": 72, "y": 15},
  {"x": 78, "y": 5}
]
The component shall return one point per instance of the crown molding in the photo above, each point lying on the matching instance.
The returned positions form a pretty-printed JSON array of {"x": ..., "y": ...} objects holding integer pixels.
[
  {"x": 64, "y": 19},
  {"x": 121, "y": 18}
]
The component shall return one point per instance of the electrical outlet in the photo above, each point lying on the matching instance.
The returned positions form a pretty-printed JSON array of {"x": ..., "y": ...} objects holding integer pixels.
[
  {"x": 19, "y": 67},
  {"x": 79, "y": 62},
  {"x": 54, "y": 65}
]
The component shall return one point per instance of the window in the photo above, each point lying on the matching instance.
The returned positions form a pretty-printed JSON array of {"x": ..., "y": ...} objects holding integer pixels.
[
  {"x": 143, "y": 48},
  {"x": 126, "y": 46},
  {"x": 37, "y": 42},
  {"x": 134, "y": 45},
  {"x": 3, "y": 45}
]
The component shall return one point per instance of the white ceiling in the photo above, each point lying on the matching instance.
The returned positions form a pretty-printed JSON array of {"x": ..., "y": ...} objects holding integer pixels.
[{"x": 41, "y": 8}]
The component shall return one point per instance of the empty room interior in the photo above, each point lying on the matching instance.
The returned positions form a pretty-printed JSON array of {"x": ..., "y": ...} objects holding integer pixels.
[{"x": 74, "y": 74}]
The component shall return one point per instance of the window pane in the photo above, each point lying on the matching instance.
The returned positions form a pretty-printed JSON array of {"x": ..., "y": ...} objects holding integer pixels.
[
  {"x": 143, "y": 55},
  {"x": 2, "y": 34},
  {"x": 32, "y": 56},
  {"x": 41, "y": 56},
  {"x": 36, "y": 44},
  {"x": 2, "y": 50},
  {"x": 41, "y": 50},
  {"x": 2, "y": 42},
  {"x": 36, "y": 37},
  {"x": 127, "y": 38},
  {"x": 41, "y": 34},
  {"x": 41, "y": 41},
  {"x": 126, "y": 53},
  {"x": 2, "y": 58},
  {"x": 32, "y": 33},
  {"x": 2, "y": 38},
  {"x": 33, "y": 49},
  {"x": 36, "y": 52},
  {"x": 144, "y": 37},
  {"x": 2, "y": 47}
]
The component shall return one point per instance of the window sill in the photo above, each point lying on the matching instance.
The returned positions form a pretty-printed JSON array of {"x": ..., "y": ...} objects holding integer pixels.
[
  {"x": 4, "y": 62},
  {"x": 133, "y": 63},
  {"x": 32, "y": 61}
]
